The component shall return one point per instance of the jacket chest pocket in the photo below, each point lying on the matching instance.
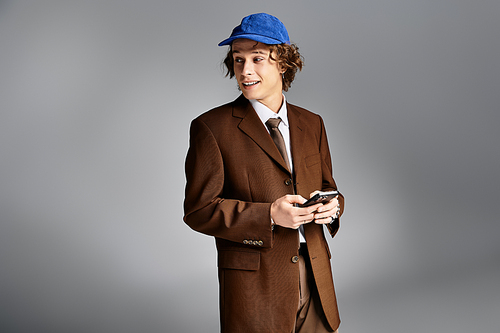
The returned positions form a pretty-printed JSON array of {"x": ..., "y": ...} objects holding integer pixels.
[
  {"x": 242, "y": 260},
  {"x": 312, "y": 174},
  {"x": 312, "y": 160}
]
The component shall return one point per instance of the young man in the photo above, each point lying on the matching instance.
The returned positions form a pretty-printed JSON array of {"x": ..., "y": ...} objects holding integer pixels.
[{"x": 249, "y": 165}]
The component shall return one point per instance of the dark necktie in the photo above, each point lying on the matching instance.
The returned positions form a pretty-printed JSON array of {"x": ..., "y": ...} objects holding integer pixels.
[{"x": 272, "y": 124}]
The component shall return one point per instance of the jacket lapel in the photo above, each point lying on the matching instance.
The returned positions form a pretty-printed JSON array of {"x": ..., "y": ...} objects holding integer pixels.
[
  {"x": 297, "y": 135},
  {"x": 252, "y": 126}
]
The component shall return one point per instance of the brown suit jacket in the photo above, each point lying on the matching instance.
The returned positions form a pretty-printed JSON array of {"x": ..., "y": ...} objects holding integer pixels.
[{"x": 234, "y": 172}]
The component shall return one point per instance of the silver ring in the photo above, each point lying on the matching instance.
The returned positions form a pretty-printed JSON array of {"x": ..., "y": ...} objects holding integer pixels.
[{"x": 333, "y": 219}]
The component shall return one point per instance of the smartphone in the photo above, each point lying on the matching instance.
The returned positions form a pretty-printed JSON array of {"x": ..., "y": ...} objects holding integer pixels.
[{"x": 320, "y": 197}]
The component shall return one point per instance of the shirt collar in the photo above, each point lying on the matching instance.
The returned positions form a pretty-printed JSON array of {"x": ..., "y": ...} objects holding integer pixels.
[{"x": 265, "y": 113}]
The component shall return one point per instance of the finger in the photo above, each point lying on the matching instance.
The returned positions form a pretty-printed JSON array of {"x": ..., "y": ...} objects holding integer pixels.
[
  {"x": 325, "y": 215},
  {"x": 325, "y": 208},
  {"x": 325, "y": 211},
  {"x": 296, "y": 199},
  {"x": 313, "y": 193},
  {"x": 303, "y": 211},
  {"x": 326, "y": 220},
  {"x": 303, "y": 219},
  {"x": 329, "y": 205}
]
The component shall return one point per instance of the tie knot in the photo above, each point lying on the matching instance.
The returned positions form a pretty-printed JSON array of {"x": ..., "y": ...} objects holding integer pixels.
[{"x": 273, "y": 122}]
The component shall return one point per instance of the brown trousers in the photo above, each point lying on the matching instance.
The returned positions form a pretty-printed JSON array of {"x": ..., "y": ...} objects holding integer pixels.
[{"x": 310, "y": 316}]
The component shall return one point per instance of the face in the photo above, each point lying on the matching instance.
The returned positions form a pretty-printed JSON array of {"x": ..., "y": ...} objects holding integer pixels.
[{"x": 258, "y": 76}]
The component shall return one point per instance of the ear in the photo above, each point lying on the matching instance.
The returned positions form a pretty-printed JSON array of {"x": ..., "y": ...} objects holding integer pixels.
[
  {"x": 280, "y": 68},
  {"x": 282, "y": 72}
]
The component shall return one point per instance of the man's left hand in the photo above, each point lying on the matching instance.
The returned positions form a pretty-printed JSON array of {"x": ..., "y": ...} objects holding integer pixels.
[{"x": 327, "y": 212}]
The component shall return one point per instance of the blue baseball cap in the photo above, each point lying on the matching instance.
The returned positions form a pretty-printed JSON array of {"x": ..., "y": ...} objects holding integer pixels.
[{"x": 260, "y": 27}]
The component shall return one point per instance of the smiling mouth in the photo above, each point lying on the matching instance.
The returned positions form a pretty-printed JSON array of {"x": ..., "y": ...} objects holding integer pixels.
[{"x": 249, "y": 84}]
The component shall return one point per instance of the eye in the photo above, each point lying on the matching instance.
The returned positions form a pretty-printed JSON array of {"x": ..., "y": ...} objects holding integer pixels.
[
  {"x": 238, "y": 60},
  {"x": 258, "y": 59}
]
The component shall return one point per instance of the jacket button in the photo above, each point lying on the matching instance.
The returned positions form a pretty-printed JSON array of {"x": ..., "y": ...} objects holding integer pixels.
[
  {"x": 288, "y": 182},
  {"x": 295, "y": 259}
]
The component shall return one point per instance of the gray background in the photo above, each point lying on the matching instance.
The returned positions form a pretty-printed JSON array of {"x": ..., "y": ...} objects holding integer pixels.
[{"x": 95, "y": 103}]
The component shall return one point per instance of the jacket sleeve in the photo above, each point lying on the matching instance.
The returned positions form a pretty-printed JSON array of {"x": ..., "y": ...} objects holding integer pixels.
[
  {"x": 328, "y": 181},
  {"x": 205, "y": 208}
]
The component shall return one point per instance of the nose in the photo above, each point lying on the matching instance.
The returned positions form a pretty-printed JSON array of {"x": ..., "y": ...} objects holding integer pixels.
[{"x": 247, "y": 68}]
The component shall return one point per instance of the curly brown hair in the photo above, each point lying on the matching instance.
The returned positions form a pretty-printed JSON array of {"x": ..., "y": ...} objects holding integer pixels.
[{"x": 287, "y": 56}]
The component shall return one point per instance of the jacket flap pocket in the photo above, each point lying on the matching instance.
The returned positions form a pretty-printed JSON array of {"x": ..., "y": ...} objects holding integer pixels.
[
  {"x": 249, "y": 261},
  {"x": 313, "y": 160}
]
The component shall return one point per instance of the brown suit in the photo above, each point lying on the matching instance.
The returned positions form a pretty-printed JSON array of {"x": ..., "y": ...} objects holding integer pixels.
[{"x": 234, "y": 172}]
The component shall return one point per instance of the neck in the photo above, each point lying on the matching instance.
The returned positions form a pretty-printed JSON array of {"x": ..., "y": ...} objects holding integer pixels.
[{"x": 274, "y": 104}]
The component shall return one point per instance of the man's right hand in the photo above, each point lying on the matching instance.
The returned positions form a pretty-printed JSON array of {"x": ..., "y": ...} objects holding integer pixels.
[{"x": 284, "y": 212}]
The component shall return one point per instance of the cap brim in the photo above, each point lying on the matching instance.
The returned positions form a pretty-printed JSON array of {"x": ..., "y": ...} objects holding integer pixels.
[{"x": 257, "y": 38}]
